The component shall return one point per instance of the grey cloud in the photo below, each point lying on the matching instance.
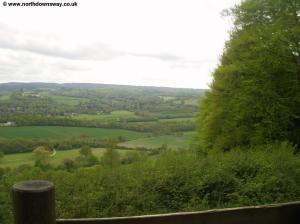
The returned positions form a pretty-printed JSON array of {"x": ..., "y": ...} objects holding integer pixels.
[
  {"x": 99, "y": 52},
  {"x": 7, "y": 70},
  {"x": 17, "y": 41},
  {"x": 14, "y": 40}
]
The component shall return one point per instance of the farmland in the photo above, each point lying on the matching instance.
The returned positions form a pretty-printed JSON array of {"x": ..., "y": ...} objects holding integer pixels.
[
  {"x": 172, "y": 141},
  {"x": 67, "y": 100},
  {"x": 49, "y": 132},
  {"x": 15, "y": 160},
  {"x": 70, "y": 116}
]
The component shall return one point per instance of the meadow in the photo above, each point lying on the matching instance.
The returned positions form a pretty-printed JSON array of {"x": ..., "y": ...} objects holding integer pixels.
[
  {"x": 15, "y": 160},
  {"x": 174, "y": 141},
  {"x": 179, "y": 119},
  {"x": 59, "y": 133},
  {"x": 67, "y": 100},
  {"x": 4, "y": 97}
]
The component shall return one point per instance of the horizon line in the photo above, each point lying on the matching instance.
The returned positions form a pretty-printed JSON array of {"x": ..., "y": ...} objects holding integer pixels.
[{"x": 96, "y": 83}]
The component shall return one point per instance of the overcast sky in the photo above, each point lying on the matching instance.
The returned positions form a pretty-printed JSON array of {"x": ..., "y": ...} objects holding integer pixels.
[{"x": 174, "y": 43}]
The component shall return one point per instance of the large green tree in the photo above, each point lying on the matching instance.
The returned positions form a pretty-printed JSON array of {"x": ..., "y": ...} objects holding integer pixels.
[
  {"x": 255, "y": 93},
  {"x": 42, "y": 156}
]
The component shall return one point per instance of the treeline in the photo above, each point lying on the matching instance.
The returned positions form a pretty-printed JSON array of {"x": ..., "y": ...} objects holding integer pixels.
[
  {"x": 106, "y": 99},
  {"x": 9, "y": 146},
  {"x": 173, "y": 181},
  {"x": 163, "y": 127}
]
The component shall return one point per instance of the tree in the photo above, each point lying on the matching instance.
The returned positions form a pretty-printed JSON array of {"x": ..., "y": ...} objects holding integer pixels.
[
  {"x": 41, "y": 156},
  {"x": 110, "y": 158},
  {"x": 85, "y": 150},
  {"x": 92, "y": 160},
  {"x": 1, "y": 155},
  {"x": 68, "y": 164},
  {"x": 255, "y": 93},
  {"x": 133, "y": 156},
  {"x": 86, "y": 157}
]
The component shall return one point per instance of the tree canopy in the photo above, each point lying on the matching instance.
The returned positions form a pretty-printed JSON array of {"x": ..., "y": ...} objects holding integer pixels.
[{"x": 255, "y": 93}]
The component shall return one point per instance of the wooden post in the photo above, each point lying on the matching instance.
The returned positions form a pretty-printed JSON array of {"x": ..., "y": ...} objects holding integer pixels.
[{"x": 34, "y": 202}]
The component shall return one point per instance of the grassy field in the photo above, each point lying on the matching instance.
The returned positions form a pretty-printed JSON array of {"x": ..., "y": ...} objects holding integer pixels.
[
  {"x": 52, "y": 132},
  {"x": 4, "y": 97},
  {"x": 15, "y": 160},
  {"x": 173, "y": 141},
  {"x": 192, "y": 102},
  {"x": 178, "y": 119},
  {"x": 67, "y": 100},
  {"x": 113, "y": 116}
]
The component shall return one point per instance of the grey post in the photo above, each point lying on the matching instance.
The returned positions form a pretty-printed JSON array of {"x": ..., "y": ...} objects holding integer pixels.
[{"x": 34, "y": 202}]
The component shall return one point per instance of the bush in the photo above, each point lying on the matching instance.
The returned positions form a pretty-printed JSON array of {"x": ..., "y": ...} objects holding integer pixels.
[{"x": 172, "y": 181}]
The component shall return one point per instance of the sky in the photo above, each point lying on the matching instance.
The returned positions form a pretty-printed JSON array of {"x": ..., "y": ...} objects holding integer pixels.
[{"x": 173, "y": 43}]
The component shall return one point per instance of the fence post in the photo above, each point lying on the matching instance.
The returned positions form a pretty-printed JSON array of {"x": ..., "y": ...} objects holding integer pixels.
[{"x": 34, "y": 202}]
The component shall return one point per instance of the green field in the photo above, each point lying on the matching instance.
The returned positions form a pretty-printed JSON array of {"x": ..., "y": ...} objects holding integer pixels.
[
  {"x": 4, "y": 97},
  {"x": 192, "y": 102},
  {"x": 161, "y": 120},
  {"x": 113, "y": 116},
  {"x": 53, "y": 132},
  {"x": 173, "y": 141},
  {"x": 15, "y": 160},
  {"x": 178, "y": 119},
  {"x": 67, "y": 100}
]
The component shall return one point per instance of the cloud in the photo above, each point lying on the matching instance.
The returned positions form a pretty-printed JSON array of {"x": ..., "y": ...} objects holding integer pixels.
[
  {"x": 193, "y": 63},
  {"x": 18, "y": 41},
  {"x": 160, "y": 56},
  {"x": 14, "y": 40}
]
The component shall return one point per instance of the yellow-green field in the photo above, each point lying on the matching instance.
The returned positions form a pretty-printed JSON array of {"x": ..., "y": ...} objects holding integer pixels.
[
  {"x": 173, "y": 141},
  {"x": 17, "y": 159},
  {"x": 4, "y": 97},
  {"x": 67, "y": 100}
]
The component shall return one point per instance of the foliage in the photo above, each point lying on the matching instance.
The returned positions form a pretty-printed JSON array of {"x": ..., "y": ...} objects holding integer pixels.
[
  {"x": 41, "y": 156},
  {"x": 111, "y": 158},
  {"x": 1, "y": 155},
  {"x": 68, "y": 164},
  {"x": 10, "y": 146},
  {"x": 86, "y": 157},
  {"x": 143, "y": 103},
  {"x": 17, "y": 159},
  {"x": 173, "y": 181},
  {"x": 85, "y": 150},
  {"x": 255, "y": 93}
]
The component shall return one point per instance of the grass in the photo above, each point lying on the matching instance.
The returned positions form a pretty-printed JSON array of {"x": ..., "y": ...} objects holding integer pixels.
[
  {"x": 192, "y": 102},
  {"x": 161, "y": 120},
  {"x": 173, "y": 141},
  {"x": 53, "y": 132},
  {"x": 167, "y": 98},
  {"x": 15, "y": 160},
  {"x": 67, "y": 100},
  {"x": 179, "y": 119},
  {"x": 4, "y": 97}
]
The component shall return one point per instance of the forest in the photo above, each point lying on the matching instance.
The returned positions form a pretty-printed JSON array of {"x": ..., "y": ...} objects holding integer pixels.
[{"x": 238, "y": 141}]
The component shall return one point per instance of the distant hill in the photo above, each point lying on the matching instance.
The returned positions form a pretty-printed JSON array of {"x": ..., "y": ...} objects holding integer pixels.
[{"x": 15, "y": 86}]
